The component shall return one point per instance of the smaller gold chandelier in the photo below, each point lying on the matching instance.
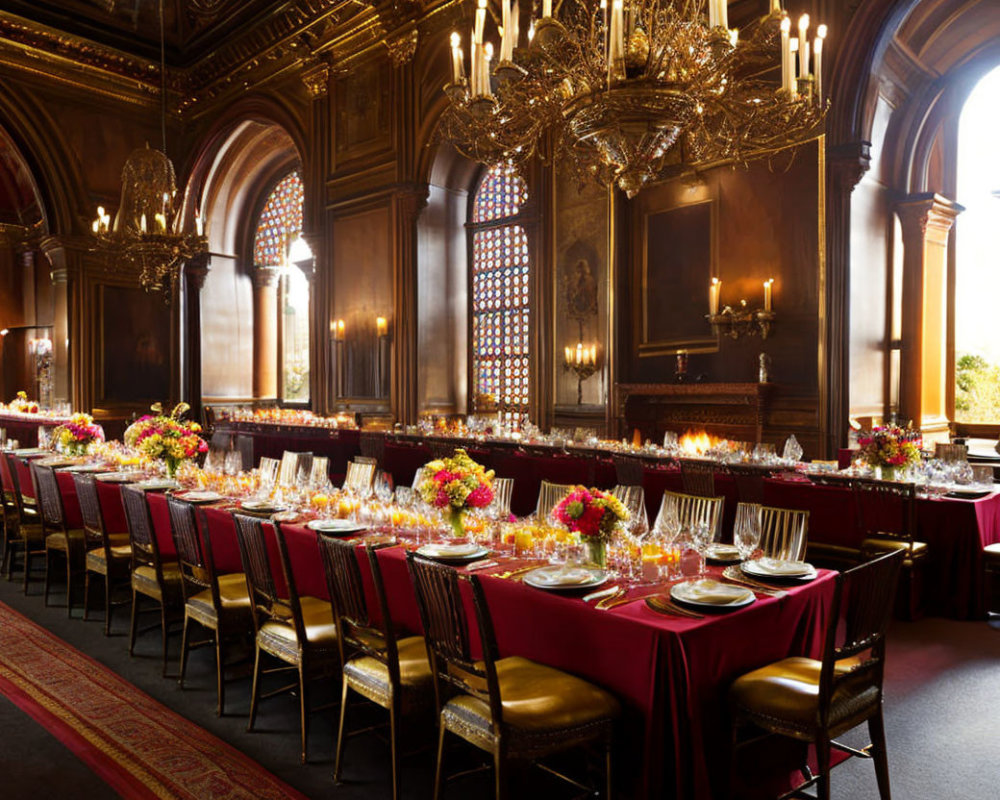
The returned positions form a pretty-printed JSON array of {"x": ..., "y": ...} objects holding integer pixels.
[{"x": 147, "y": 235}]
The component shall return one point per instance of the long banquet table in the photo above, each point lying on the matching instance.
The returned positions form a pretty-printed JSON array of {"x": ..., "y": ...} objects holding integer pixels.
[{"x": 670, "y": 673}]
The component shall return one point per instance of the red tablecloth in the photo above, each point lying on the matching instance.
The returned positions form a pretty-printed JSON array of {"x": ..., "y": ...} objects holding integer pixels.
[
  {"x": 955, "y": 531},
  {"x": 670, "y": 673}
]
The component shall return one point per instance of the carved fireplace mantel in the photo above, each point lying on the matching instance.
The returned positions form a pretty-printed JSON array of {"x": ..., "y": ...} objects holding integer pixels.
[{"x": 730, "y": 410}]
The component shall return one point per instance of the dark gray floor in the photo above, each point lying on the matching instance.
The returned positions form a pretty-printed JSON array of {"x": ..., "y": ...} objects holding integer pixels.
[{"x": 942, "y": 694}]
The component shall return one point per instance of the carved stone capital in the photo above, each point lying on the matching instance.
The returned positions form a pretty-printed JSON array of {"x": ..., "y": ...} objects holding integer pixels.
[
  {"x": 266, "y": 277},
  {"x": 196, "y": 270},
  {"x": 849, "y": 162},
  {"x": 316, "y": 77},
  {"x": 403, "y": 47},
  {"x": 412, "y": 199},
  {"x": 929, "y": 212}
]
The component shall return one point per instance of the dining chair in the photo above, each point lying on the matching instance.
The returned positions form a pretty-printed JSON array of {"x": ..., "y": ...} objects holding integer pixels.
[
  {"x": 784, "y": 533},
  {"x": 391, "y": 672},
  {"x": 749, "y": 480},
  {"x": 218, "y": 603},
  {"x": 815, "y": 701},
  {"x": 887, "y": 518},
  {"x": 372, "y": 445},
  {"x": 292, "y": 465},
  {"x": 634, "y": 499},
  {"x": 22, "y": 526},
  {"x": 153, "y": 577},
  {"x": 693, "y": 510},
  {"x": 549, "y": 495},
  {"x": 108, "y": 555},
  {"x": 360, "y": 475},
  {"x": 698, "y": 477},
  {"x": 61, "y": 541},
  {"x": 951, "y": 452},
  {"x": 513, "y": 708},
  {"x": 503, "y": 491},
  {"x": 629, "y": 470},
  {"x": 296, "y": 630}
]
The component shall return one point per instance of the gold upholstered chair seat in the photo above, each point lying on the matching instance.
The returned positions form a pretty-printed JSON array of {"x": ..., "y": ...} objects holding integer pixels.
[
  {"x": 538, "y": 702},
  {"x": 61, "y": 540},
  {"x": 97, "y": 560},
  {"x": 876, "y": 545},
  {"x": 784, "y": 697},
  {"x": 233, "y": 597},
  {"x": 320, "y": 630},
  {"x": 369, "y": 677},
  {"x": 144, "y": 580}
]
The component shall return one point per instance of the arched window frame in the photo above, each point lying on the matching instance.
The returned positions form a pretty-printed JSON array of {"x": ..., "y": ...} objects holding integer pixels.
[
  {"x": 271, "y": 188},
  {"x": 526, "y": 218}
]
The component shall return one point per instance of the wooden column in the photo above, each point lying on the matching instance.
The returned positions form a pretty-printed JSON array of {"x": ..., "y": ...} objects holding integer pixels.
[
  {"x": 408, "y": 202},
  {"x": 926, "y": 220},
  {"x": 846, "y": 165},
  {"x": 265, "y": 332},
  {"x": 62, "y": 390},
  {"x": 195, "y": 272}
]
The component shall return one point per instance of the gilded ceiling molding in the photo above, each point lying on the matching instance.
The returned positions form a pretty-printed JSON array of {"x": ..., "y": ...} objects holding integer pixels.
[
  {"x": 402, "y": 48},
  {"x": 316, "y": 77}
]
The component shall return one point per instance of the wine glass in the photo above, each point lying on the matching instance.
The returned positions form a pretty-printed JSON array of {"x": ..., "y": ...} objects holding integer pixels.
[
  {"x": 383, "y": 486},
  {"x": 746, "y": 532},
  {"x": 701, "y": 532}
]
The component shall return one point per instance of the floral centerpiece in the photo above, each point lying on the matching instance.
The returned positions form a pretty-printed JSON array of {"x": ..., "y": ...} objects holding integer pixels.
[
  {"x": 890, "y": 448},
  {"x": 456, "y": 484},
  {"x": 23, "y": 405},
  {"x": 166, "y": 438},
  {"x": 77, "y": 435},
  {"x": 595, "y": 515}
]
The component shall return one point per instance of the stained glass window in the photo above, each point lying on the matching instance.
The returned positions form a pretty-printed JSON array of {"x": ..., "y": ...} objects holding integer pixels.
[
  {"x": 500, "y": 294},
  {"x": 279, "y": 222}
]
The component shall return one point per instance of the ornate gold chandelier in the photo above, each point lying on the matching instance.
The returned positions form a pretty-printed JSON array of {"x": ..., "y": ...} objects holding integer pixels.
[
  {"x": 635, "y": 91},
  {"x": 149, "y": 235}
]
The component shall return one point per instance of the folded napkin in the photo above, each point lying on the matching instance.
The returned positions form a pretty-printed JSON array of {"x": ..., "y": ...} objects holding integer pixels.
[
  {"x": 775, "y": 566},
  {"x": 563, "y": 576},
  {"x": 723, "y": 551},
  {"x": 463, "y": 549},
  {"x": 710, "y": 591}
]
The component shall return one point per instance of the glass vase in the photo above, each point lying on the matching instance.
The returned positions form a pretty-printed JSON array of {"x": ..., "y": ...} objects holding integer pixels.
[
  {"x": 597, "y": 551},
  {"x": 456, "y": 518}
]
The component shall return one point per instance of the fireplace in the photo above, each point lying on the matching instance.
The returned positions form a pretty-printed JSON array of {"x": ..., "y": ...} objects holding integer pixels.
[{"x": 736, "y": 411}]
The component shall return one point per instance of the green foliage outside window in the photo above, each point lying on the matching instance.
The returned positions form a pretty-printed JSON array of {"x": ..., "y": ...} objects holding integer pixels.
[{"x": 977, "y": 390}]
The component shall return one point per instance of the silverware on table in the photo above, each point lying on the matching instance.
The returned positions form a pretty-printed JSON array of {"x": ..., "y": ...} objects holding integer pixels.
[
  {"x": 484, "y": 563},
  {"x": 735, "y": 575},
  {"x": 612, "y": 602},
  {"x": 664, "y": 605},
  {"x": 614, "y": 591}
]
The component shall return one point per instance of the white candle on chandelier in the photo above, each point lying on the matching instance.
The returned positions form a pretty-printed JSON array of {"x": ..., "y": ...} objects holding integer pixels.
[
  {"x": 477, "y": 35},
  {"x": 161, "y": 222},
  {"x": 199, "y": 223},
  {"x": 616, "y": 42},
  {"x": 793, "y": 46},
  {"x": 457, "y": 67},
  {"x": 142, "y": 223},
  {"x": 818, "y": 59},
  {"x": 734, "y": 37},
  {"x": 568, "y": 351},
  {"x": 593, "y": 354},
  {"x": 786, "y": 54},
  {"x": 546, "y": 8},
  {"x": 767, "y": 293},
  {"x": 487, "y": 58},
  {"x": 775, "y": 6},
  {"x": 506, "y": 48},
  {"x": 803, "y": 46},
  {"x": 515, "y": 26}
]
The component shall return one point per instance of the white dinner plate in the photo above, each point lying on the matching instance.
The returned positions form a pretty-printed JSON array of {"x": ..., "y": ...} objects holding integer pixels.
[
  {"x": 260, "y": 506},
  {"x": 335, "y": 526},
  {"x": 56, "y": 462},
  {"x": 723, "y": 553},
  {"x": 157, "y": 484},
  {"x": 968, "y": 493},
  {"x": 199, "y": 496},
  {"x": 30, "y": 451},
  {"x": 708, "y": 593},
  {"x": 773, "y": 569},
  {"x": 87, "y": 468},
  {"x": 444, "y": 551},
  {"x": 118, "y": 477},
  {"x": 565, "y": 579}
]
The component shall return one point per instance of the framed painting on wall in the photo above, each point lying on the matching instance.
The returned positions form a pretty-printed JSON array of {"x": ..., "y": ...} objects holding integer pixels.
[
  {"x": 135, "y": 346},
  {"x": 678, "y": 264}
]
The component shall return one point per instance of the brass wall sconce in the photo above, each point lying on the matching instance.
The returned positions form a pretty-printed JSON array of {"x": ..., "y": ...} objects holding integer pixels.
[
  {"x": 742, "y": 320},
  {"x": 582, "y": 362}
]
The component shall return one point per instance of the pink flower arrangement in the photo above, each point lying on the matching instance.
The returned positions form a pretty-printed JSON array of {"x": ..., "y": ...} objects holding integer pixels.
[
  {"x": 890, "y": 446},
  {"x": 593, "y": 513},
  {"x": 167, "y": 438},
  {"x": 75, "y": 435},
  {"x": 457, "y": 483}
]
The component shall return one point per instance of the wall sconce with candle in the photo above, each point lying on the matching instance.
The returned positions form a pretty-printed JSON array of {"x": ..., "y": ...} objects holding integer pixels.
[
  {"x": 581, "y": 361},
  {"x": 742, "y": 320},
  {"x": 41, "y": 350},
  {"x": 382, "y": 355},
  {"x": 338, "y": 335}
]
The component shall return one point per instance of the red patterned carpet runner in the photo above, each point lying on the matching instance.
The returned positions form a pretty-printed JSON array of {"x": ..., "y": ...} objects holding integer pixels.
[{"x": 138, "y": 746}]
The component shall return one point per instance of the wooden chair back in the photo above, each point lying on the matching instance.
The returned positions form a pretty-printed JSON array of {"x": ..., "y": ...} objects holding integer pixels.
[
  {"x": 628, "y": 470},
  {"x": 446, "y": 630},
  {"x": 91, "y": 511},
  {"x": 698, "y": 477},
  {"x": 141, "y": 534},
  {"x": 50, "y": 503},
  {"x": 862, "y": 608},
  {"x": 360, "y": 475},
  {"x": 749, "y": 480},
  {"x": 951, "y": 452},
  {"x": 784, "y": 533},
  {"x": 357, "y": 630},
  {"x": 24, "y": 516},
  {"x": 503, "y": 491},
  {"x": 372, "y": 445},
  {"x": 886, "y": 509},
  {"x": 549, "y": 495},
  {"x": 194, "y": 556}
]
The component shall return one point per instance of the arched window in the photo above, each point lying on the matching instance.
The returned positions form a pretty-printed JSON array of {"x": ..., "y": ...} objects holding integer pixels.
[
  {"x": 500, "y": 295},
  {"x": 279, "y": 224},
  {"x": 977, "y": 242}
]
